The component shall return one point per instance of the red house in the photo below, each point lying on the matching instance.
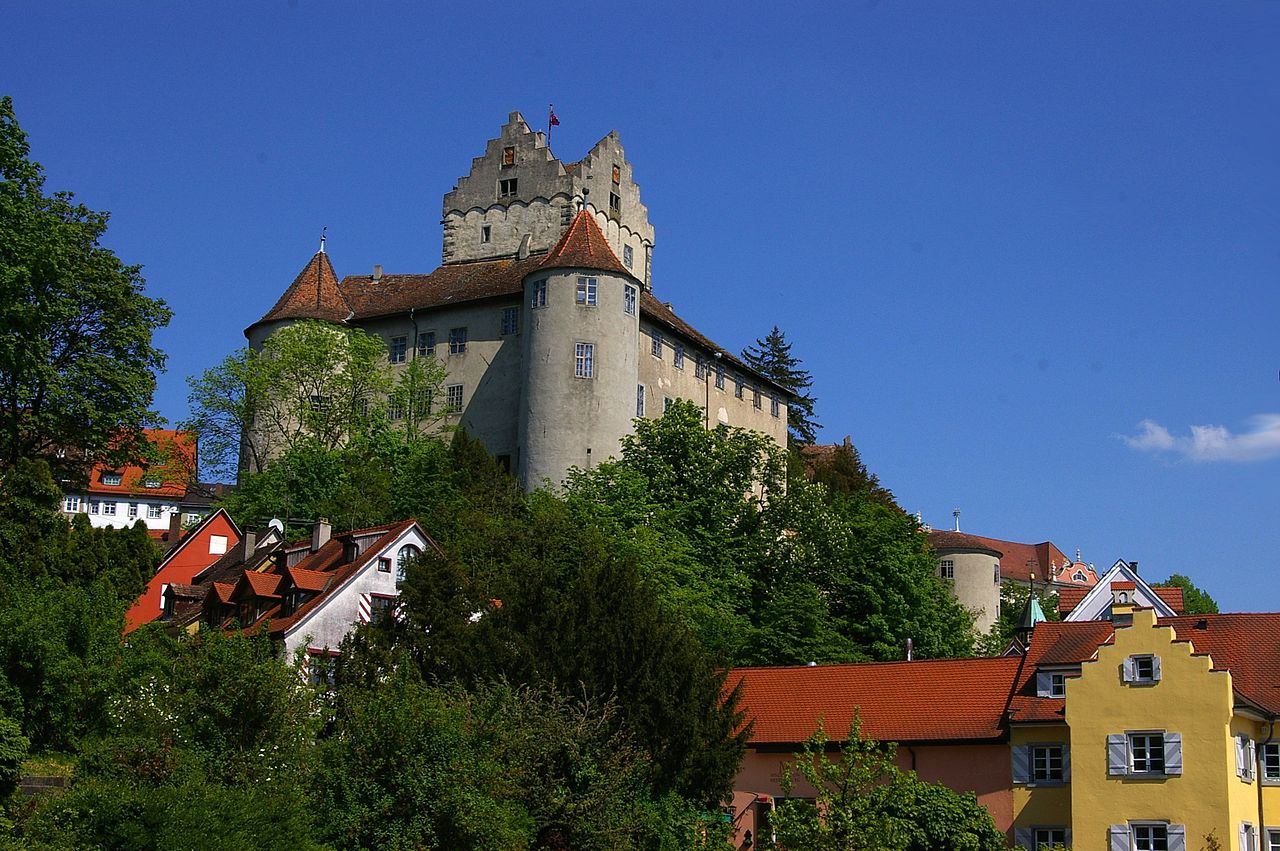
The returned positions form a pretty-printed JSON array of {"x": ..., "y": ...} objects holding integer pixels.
[{"x": 201, "y": 547}]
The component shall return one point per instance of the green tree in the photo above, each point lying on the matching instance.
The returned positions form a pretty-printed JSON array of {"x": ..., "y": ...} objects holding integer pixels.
[
  {"x": 1013, "y": 603},
  {"x": 842, "y": 472},
  {"x": 772, "y": 358},
  {"x": 77, "y": 365},
  {"x": 1195, "y": 601},
  {"x": 863, "y": 802}
]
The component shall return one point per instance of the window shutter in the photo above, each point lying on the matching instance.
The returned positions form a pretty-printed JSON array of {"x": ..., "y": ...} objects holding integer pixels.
[
  {"x": 1066, "y": 766},
  {"x": 1244, "y": 838},
  {"x": 1129, "y": 675},
  {"x": 1119, "y": 834},
  {"x": 1250, "y": 758},
  {"x": 1024, "y": 837},
  {"x": 1172, "y": 753},
  {"x": 1177, "y": 834},
  {"x": 1021, "y": 764},
  {"x": 1239, "y": 756},
  {"x": 1155, "y": 669},
  {"x": 1118, "y": 754},
  {"x": 1044, "y": 685},
  {"x": 1067, "y": 838}
]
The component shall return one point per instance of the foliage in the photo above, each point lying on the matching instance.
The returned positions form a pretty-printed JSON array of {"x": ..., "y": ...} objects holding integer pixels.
[
  {"x": 1013, "y": 603},
  {"x": 312, "y": 386},
  {"x": 76, "y": 359},
  {"x": 1195, "y": 601},
  {"x": 842, "y": 472},
  {"x": 14, "y": 748},
  {"x": 772, "y": 358},
  {"x": 863, "y": 802}
]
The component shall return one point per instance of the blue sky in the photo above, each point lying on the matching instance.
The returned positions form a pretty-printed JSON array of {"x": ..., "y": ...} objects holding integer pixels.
[{"x": 1030, "y": 251}]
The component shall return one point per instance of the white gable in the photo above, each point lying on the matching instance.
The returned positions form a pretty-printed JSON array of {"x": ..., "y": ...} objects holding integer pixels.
[{"x": 1096, "y": 605}]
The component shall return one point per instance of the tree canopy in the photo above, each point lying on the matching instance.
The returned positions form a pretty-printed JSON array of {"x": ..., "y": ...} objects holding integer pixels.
[
  {"x": 77, "y": 364},
  {"x": 772, "y": 358},
  {"x": 1195, "y": 601}
]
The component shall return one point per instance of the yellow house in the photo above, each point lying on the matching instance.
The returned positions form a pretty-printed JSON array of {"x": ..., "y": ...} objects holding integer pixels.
[{"x": 1138, "y": 734}]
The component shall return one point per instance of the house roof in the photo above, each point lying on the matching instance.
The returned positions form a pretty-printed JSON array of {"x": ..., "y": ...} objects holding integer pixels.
[
  {"x": 314, "y": 294},
  {"x": 453, "y": 283},
  {"x": 1069, "y": 598},
  {"x": 934, "y": 700},
  {"x": 308, "y": 580},
  {"x": 1054, "y": 644},
  {"x": 949, "y": 540},
  {"x": 1096, "y": 601},
  {"x": 1018, "y": 561},
  {"x": 174, "y": 467},
  {"x": 1246, "y": 644},
  {"x": 583, "y": 246}
]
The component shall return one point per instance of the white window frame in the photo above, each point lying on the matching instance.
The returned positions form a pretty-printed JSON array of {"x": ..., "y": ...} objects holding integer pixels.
[
  {"x": 111, "y": 480},
  {"x": 109, "y": 509},
  {"x": 1042, "y": 763},
  {"x": 1248, "y": 836},
  {"x": 426, "y": 346},
  {"x": 639, "y": 400},
  {"x": 1050, "y": 836},
  {"x": 398, "y": 349},
  {"x": 1273, "y": 838},
  {"x": 584, "y": 360},
  {"x": 677, "y": 360},
  {"x": 1246, "y": 757},
  {"x": 538, "y": 297},
  {"x": 453, "y": 397},
  {"x": 510, "y": 321},
  {"x": 1142, "y": 669},
  {"x": 152, "y": 482},
  {"x": 947, "y": 569},
  {"x": 406, "y": 552},
  {"x": 719, "y": 376},
  {"x": 630, "y": 295},
  {"x": 655, "y": 344},
  {"x": 1057, "y": 684},
  {"x": 71, "y": 504},
  {"x": 587, "y": 291},
  {"x": 95, "y": 506},
  {"x": 1271, "y": 763},
  {"x": 628, "y": 256},
  {"x": 1156, "y": 836},
  {"x": 154, "y": 512},
  {"x": 132, "y": 510}
]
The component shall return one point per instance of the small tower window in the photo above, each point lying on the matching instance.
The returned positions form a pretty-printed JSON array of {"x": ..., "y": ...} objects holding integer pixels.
[
  {"x": 486, "y": 233},
  {"x": 538, "y": 297},
  {"x": 509, "y": 155},
  {"x": 584, "y": 360},
  {"x": 629, "y": 300},
  {"x": 947, "y": 569},
  {"x": 628, "y": 256},
  {"x": 507, "y": 187},
  {"x": 617, "y": 174},
  {"x": 587, "y": 291}
]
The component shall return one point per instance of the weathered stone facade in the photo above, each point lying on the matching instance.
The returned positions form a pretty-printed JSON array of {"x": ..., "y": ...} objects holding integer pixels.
[{"x": 547, "y": 281}]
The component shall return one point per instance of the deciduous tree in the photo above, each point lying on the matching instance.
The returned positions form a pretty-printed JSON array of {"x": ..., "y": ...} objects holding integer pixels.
[{"x": 1195, "y": 601}]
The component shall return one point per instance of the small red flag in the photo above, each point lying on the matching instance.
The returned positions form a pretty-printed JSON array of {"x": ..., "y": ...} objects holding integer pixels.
[{"x": 553, "y": 121}]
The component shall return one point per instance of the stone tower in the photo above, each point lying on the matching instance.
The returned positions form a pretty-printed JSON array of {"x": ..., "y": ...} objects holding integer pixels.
[
  {"x": 580, "y": 356},
  {"x": 519, "y": 197}
]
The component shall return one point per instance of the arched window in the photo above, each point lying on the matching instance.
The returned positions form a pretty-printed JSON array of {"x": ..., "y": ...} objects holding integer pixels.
[{"x": 407, "y": 554}]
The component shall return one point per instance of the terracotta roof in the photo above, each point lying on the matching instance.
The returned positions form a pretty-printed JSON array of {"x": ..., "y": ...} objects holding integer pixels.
[
  {"x": 308, "y": 580},
  {"x": 1069, "y": 598},
  {"x": 1172, "y": 597},
  {"x": 936, "y": 700},
  {"x": 1019, "y": 560},
  {"x": 1246, "y": 644},
  {"x": 314, "y": 294},
  {"x": 453, "y": 283},
  {"x": 583, "y": 246},
  {"x": 947, "y": 540},
  {"x": 1123, "y": 585},
  {"x": 262, "y": 584},
  {"x": 222, "y": 591},
  {"x": 1054, "y": 644},
  {"x": 174, "y": 466}
]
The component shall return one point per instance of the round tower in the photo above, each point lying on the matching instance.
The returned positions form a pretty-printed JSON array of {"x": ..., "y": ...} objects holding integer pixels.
[
  {"x": 578, "y": 395},
  {"x": 972, "y": 566}
]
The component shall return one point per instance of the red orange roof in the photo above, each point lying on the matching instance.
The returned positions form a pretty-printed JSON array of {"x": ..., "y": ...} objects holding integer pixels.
[
  {"x": 1172, "y": 597},
  {"x": 583, "y": 246},
  {"x": 172, "y": 467},
  {"x": 308, "y": 580},
  {"x": 934, "y": 700},
  {"x": 1069, "y": 598},
  {"x": 950, "y": 540},
  {"x": 1246, "y": 644},
  {"x": 314, "y": 294}
]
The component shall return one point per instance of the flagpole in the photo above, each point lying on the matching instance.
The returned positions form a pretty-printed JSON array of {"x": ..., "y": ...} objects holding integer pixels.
[{"x": 551, "y": 110}]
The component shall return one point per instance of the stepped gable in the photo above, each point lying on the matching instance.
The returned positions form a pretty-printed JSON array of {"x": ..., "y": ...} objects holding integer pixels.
[
  {"x": 452, "y": 283},
  {"x": 314, "y": 294},
  {"x": 1248, "y": 645},
  {"x": 583, "y": 246}
]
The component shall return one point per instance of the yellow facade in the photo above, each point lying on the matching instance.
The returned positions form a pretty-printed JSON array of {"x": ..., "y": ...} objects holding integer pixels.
[{"x": 1041, "y": 804}]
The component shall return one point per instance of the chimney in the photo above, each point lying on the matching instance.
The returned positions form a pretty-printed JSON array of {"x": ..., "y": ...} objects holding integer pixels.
[
  {"x": 175, "y": 527},
  {"x": 320, "y": 533},
  {"x": 377, "y": 272},
  {"x": 1133, "y": 565},
  {"x": 910, "y": 649}
]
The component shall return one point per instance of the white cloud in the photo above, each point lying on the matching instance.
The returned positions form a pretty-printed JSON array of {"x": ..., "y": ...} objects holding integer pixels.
[{"x": 1212, "y": 442}]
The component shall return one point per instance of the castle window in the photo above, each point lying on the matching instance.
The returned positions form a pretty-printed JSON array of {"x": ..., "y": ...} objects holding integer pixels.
[
  {"x": 71, "y": 504},
  {"x": 396, "y": 349},
  {"x": 457, "y": 341},
  {"x": 947, "y": 569},
  {"x": 454, "y": 398},
  {"x": 538, "y": 294},
  {"x": 667, "y": 402},
  {"x": 427, "y": 344},
  {"x": 617, "y": 174},
  {"x": 615, "y": 203},
  {"x": 629, "y": 294},
  {"x": 755, "y": 398},
  {"x": 774, "y": 407},
  {"x": 587, "y": 291},
  {"x": 486, "y": 233},
  {"x": 639, "y": 400},
  {"x": 739, "y": 386},
  {"x": 995, "y": 573},
  {"x": 584, "y": 360},
  {"x": 507, "y": 187},
  {"x": 678, "y": 360},
  {"x": 510, "y": 320},
  {"x": 655, "y": 347},
  {"x": 111, "y": 479},
  {"x": 509, "y": 155},
  {"x": 154, "y": 512},
  {"x": 699, "y": 367},
  {"x": 395, "y": 410},
  {"x": 719, "y": 377},
  {"x": 628, "y": 256}
]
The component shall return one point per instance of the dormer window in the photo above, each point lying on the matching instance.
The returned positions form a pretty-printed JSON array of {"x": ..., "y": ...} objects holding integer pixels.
[
  {"x": 507, "y": 187},
  {"x": 151, "y": 482},
  {"x": 111, "y": 479}
]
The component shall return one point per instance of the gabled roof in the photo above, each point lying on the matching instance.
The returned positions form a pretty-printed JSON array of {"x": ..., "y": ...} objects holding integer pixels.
[
  {"x": 933, "y": 700},
  {"x": 1097, "y": 602},
  {"x": 1248, "y": 645},
  {"x": 174, "y": 467},
  {"x": 1018, "y": 561},
  {"x": 1054, "y": 644},
  {"x": 583, "y": 246},
  {"x": 308, "y": 580},
  {"x": 453, "y": 283},
  {"x": 314, "y": 294}
]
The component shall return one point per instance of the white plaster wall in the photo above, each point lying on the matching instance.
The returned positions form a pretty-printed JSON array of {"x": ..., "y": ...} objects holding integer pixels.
[{"x": 121, "y": 519}]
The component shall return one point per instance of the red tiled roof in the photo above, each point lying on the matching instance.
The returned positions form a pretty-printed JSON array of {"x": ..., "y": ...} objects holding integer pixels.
[
  {"x": 583, "y": 246},
  {"x": 948, "y": 540},
  {"x": 1246, "y": 644},
  {"x": 1054, "y": 644},
  {"x": 174, "y": 466},
  {"x": 314, "y": 294},
  {"x": 262, "y": 584},
  {"x": 453, "y": 283},
  {"x": 1069, "y": 598},
  {"x": 935, "y": 700},
  {"x": 308, "y": 580},
  {"x": 222, "y": 591},
  {"x": 1123, "y": 585},
  {"x": 1019, "y": 560},
  {"x": 1172, "y": 597}
]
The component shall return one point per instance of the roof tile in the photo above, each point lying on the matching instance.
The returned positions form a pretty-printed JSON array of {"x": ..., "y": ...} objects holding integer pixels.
[
  {"x": 314, "y": 294},
  {"x": 583, "y": 246}
]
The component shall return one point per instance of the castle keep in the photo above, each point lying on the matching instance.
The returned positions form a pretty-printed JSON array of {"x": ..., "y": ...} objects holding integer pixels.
[{"x": 542, "y": 313}]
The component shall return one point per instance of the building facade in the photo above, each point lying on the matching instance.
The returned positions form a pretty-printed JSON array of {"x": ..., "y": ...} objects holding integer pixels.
[{"x": 542, "y": 313}]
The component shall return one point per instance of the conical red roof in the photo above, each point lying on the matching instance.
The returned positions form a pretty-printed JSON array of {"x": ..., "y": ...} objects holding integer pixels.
[
  {"x": 313, "y": 294},
  {"x": 583, "y": 246}
]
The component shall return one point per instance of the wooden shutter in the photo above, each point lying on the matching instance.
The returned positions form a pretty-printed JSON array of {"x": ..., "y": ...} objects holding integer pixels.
[
  {"x": 1044, "y": 685},
  {"x": 1021, "y": 763},
  {"x": 1155, "y": 669},
  {"x": 1177, "y": 834},
  {"x": 1118, "y": 754},
  {"x": 1024, "y": 837},
  {"x": 1119, "y": 834},
  {"x": 1172, "y": 753},
  {"x": 1240, "y": 757},
  {"x": 1128, "y": 669}
]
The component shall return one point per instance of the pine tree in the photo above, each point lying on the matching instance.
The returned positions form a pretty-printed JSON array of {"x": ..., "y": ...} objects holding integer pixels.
[{"x": 772, "y": 358}]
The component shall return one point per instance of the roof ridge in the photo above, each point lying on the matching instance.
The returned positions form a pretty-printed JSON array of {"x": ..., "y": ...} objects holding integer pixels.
[
  {"x": 583, "y": 245},
  {"x": 314, "y": 294}
]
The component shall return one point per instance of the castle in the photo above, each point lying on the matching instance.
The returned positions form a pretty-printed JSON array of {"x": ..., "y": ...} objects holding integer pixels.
[{"x": 542, "y": 313}]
